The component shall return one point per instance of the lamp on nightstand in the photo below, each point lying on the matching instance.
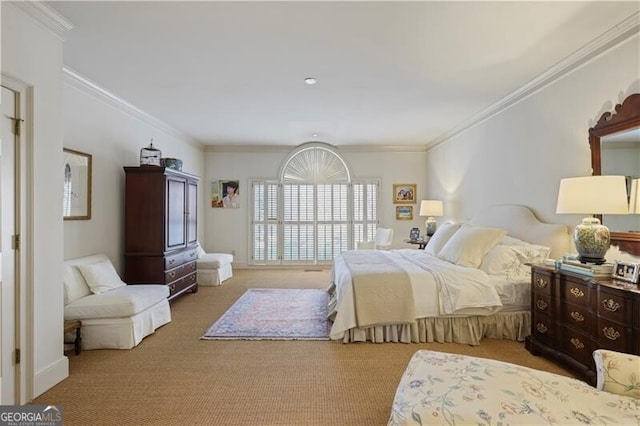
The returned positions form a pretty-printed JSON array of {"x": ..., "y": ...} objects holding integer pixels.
[
  {"x": 431, "y": 209},
  {"x": 634, "y": 197},
  {"x": 592, "y": 195}
]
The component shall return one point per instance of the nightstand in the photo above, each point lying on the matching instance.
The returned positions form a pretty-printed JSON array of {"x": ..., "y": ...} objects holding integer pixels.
[
  {"x": 420, "y": 243},
  {"x": 573, "y": 315}
]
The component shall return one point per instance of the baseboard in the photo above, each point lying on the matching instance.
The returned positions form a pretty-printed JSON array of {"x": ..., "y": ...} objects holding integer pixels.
[{"x": 50, "y": 376}]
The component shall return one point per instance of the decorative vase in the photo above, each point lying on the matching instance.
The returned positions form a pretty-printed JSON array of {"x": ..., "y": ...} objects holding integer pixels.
[
  {"x": 592, "y": 240},
  {"x": 172, "y": 163}
]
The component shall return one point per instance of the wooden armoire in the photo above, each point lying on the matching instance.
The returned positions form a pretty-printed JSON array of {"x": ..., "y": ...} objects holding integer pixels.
[{"x": 161, "y": 228}]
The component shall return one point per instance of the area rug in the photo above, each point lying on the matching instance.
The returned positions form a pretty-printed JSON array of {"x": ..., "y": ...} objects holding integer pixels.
[{"x": 274, "y": 314}]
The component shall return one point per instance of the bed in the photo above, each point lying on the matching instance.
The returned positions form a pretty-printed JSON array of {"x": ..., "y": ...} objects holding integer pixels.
[
  {"x": 452, "y": 389},
  {"x": 470, "y": 282}
]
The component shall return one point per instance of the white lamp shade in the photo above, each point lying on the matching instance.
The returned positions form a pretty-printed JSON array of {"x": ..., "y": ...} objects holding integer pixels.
[
  {"x": 593, "y": 195},
  {"x": 431, "y": 208},
  {"x": 634, "y": 199}
]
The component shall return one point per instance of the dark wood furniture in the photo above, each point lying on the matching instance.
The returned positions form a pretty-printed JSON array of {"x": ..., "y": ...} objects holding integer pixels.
[
  {"x": 74, "y": 325},
  {"x": 625, "y": 117},
  {"x": 420, "y": 243},
  {"x": 161, "y": 228},
  {"x": 572, "y": 315}
]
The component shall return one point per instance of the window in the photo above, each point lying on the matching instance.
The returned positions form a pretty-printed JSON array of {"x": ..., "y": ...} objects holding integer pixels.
[{"x": 313, "y": 212}]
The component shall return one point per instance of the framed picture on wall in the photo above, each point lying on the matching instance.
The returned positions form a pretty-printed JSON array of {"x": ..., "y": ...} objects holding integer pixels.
[
  {"x": 225, "y": 193},
  {"x": 404, "y": 193},
  {"x": 76, "y": 199},
  {"x": 404, "y": 212}
]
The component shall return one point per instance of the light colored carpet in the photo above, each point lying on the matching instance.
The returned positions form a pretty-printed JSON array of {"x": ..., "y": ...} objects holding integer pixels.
[{"x": 175, "y": 378}]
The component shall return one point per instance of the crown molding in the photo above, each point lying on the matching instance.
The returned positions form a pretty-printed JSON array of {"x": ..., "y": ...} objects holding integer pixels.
[
  {"x": 611, "y": 38},
  {"x": 45, "y": 16},
  {"x": 287, "y": 148},
  {"x": 74, "y": 79}
]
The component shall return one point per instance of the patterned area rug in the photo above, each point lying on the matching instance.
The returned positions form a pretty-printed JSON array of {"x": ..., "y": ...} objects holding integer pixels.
[{"x": 274, "y": 314}]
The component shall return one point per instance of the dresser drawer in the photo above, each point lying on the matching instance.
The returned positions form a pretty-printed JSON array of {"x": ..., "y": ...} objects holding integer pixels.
[
  {"x": 577, "y": 316},
  {"x": 182, "y": 284},
  {"x": 542, "y": 303},
  {"x": 541, "y": 282},
  {"x": 543, "y": 329},
  {"x": 572, "y": 292},
  {"x": 615, "y": 307},
  {"x": 576, "y": 344},
  {"x": 614, "y": 336},
  {"x": 175, "y": 260},
  {"x": 180, "y": 271}
]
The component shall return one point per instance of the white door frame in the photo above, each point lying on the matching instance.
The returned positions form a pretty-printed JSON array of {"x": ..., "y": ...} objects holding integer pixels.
[{"x": 23, "y": 324}]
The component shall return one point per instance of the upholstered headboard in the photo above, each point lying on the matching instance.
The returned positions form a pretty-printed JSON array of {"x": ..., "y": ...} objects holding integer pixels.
[{"x": 520, "y": 222}]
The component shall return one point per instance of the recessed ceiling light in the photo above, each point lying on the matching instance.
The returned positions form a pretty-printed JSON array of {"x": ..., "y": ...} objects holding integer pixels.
[{"x": 310, "y": 80}]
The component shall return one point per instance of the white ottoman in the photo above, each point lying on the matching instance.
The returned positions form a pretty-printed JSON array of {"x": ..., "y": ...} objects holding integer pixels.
[{"x": 214, "y": 268}]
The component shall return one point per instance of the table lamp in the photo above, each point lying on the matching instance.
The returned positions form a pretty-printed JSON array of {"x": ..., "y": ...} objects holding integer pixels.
[
  {"x": 431, "y": 209},
  {"x": 634, "y": 197},
  {"x": 592, "y": 195}
]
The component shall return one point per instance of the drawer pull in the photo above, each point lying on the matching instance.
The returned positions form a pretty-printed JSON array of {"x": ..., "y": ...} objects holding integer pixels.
[
  {"x": 541, "y": 282},
  {"x": 172, "y": 261},
  {"x": 541, "y": 327},
  {"x": 610, "y": 305},
  {"x": 577, "y": 343},
  {"x": 541, "y": 304},
  {"x": 577, "y": 316},
  {"x": 192, "y": 254},
  {"x": 611, "y": 333},
  {"x": 172, "y": 274},
  {"x": 576, "y": 292}
]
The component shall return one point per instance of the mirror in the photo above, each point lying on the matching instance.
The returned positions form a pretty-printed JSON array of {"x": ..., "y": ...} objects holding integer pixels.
[
  {"x": 76, "y": 197},
  {"x": 615, "y": 150}
]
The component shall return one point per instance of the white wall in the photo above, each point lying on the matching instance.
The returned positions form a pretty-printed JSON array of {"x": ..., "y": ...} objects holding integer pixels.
[
  {"x": 33, "y": 54},
  {"x": 520, "y": 155},
  {"x": 113, "y": 134},
  {"x": 227, "y": 230}
]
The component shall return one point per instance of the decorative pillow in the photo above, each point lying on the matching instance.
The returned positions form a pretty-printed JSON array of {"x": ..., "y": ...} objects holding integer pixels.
[
  {"x": 101, "y": 276},
  {"x": 441, "y": 236},
  {"x": 617, "y": 372},
  {"x": 528, "y": 253},
  {"x": 501, "y": 260},
  {"x": 201, "y": 251},
  {"x": 469, "y": 245}
]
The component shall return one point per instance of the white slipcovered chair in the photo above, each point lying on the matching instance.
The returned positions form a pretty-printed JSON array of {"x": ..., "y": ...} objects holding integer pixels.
[
  {"x": 381, "y": 241},
  {"x": 213, "y": 268},
  {"x": 114, "y": 315}
]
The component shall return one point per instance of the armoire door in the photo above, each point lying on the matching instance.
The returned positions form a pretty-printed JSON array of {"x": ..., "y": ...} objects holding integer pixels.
[{"x": 176, "y": 213}]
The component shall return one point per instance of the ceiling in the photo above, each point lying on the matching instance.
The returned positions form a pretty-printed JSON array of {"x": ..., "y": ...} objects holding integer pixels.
[{"x": 388, "y": 73}]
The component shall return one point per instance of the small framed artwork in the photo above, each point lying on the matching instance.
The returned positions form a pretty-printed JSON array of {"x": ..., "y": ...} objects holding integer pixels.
[
  {"x": 414, "y": 234},
  {"x": 404, "y": 193},
  {"x": 626, "y": 271},
  {"x": 404, "y": 212},
  {"x": 76, "y": 198},
  {"x": 225, "y": 193}
]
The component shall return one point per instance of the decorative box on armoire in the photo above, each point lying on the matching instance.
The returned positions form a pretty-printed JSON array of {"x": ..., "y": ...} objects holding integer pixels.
[{"x": 160, "y": 228}]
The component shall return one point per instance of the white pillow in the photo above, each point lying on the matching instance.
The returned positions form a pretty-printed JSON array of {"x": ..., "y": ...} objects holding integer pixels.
[
  {"x": 469, "y": 245},
  {"x": 440, "y": 238},
  {"x": 101, "y": 276},
  {"x": 527, "y": 252},
  {"x": 504, "y": 260}
]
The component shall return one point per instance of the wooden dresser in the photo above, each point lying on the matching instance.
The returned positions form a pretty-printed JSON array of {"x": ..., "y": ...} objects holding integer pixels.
[
  {"x": 161, "y": 228},
  {"x": 571, "y": 316}
]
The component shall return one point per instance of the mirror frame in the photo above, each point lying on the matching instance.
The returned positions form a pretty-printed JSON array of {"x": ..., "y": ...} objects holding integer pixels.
[
  {"x": 83, "y": 211},
  {"x": 626, "y": 116}
]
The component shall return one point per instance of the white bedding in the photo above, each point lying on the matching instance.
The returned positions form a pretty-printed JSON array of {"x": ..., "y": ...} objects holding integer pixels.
[{"x": 440, "y": 289}]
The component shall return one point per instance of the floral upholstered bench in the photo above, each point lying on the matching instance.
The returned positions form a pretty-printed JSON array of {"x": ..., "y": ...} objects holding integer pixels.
[{"x": 448, "y": 389}]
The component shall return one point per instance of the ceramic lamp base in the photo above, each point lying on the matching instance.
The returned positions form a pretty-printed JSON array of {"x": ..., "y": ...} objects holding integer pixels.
[
  {"x": 592, "y": 241},
  {"x": 431, "y": 226}
]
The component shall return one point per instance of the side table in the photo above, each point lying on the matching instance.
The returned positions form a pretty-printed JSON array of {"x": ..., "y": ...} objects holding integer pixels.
[
  {"x": 420, "y": 243},
  {"x": 70, "y": 326}
]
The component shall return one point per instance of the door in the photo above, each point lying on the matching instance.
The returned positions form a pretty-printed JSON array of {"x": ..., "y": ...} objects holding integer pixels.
[
  {"x": 192, "y": 212},
  {"x": 9, "y": 390},
  {"x": 176, "y": 207}
]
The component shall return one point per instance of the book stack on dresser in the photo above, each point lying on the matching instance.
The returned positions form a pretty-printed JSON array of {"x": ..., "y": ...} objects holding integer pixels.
[{"x": 601, "y": 271}]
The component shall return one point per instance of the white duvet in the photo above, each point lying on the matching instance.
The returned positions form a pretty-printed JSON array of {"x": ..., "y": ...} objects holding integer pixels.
[{"x": 439, "y": 289}]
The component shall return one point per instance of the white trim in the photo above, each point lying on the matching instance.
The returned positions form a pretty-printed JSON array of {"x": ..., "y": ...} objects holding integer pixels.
[
  {"x": 288, "y": 148},
  {"x": 614, "y": 36},
  {"x": 45, "y": 16},
  {"x": 82, "y": 83}
]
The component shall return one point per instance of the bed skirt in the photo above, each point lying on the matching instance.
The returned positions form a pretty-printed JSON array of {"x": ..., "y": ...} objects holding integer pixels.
[{"x": 466, "y": 330}]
